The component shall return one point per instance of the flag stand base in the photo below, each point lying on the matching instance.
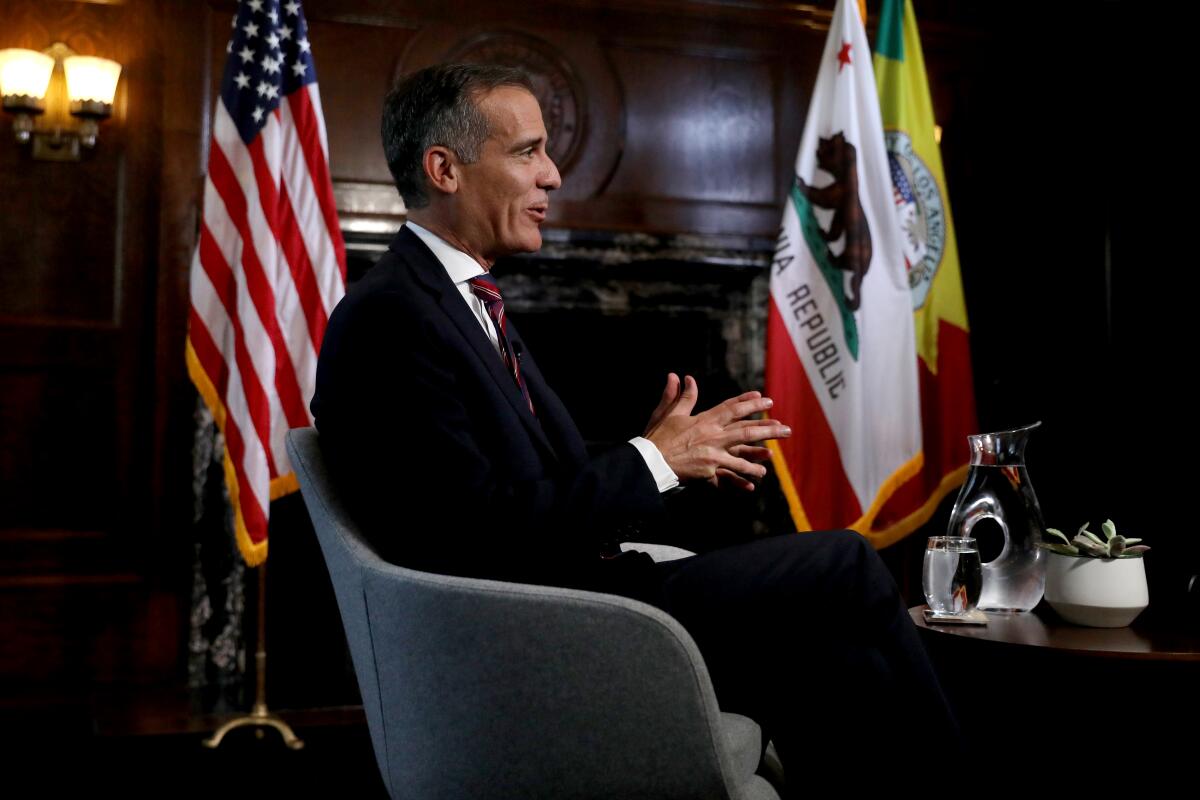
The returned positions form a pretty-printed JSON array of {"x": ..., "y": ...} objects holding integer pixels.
[{"x": 259, "y": 717}]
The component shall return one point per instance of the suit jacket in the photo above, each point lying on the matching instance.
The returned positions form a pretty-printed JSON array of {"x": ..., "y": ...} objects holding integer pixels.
[{"x": 436, "y": 452}]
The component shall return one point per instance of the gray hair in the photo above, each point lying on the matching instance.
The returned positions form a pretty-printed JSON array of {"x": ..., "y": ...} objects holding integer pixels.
[{"x": 438, "y": 106}]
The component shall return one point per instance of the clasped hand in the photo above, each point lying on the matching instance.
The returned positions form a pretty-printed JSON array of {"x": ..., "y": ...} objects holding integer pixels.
[{"x": 714, "y": 445}]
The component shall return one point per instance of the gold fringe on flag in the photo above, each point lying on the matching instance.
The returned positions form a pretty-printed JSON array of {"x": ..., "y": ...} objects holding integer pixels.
[{"x": 254, "y": 553}]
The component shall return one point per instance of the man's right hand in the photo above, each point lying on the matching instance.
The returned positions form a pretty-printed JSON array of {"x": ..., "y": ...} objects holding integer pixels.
[{"x": 715, "y": 441}]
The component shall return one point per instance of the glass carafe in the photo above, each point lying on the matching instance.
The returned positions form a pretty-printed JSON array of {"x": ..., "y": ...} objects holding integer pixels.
[{"x": 998, "y": 488}]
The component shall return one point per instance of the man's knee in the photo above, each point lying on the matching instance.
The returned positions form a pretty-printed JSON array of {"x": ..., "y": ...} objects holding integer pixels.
[
  {"x": 849, "y": 539},
  {"x": 858, "y": 546},
  {"x": 852, "y": 547},
  {"x": 871, "y": 577}
]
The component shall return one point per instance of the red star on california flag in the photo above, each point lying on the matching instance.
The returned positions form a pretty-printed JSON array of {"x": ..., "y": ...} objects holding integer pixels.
[{"x": 843, "y": 56}]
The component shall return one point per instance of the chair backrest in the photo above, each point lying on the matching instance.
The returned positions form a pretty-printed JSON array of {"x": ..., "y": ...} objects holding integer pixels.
[{"x": 477, "y": 688}]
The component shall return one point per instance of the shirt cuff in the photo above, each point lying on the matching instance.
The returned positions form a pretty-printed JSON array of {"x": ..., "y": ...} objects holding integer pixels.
[{"x": 663, "y": 474}]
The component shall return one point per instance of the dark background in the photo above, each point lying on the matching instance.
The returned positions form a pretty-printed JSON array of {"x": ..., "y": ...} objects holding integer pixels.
[{"x": 1071, "y": 167}]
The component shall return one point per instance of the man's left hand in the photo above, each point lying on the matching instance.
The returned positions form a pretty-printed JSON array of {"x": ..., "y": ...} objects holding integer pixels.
[
  {"x": 729, "y": 479},
  {"x": 690, "y": 445}
]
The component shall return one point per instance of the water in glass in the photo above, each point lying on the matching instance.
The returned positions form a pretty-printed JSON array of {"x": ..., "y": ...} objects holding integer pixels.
[{"x": 952, "y": 576}]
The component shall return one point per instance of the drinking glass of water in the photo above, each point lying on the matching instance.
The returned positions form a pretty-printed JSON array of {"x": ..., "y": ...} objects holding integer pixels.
[{"x": 952, "y": 575}]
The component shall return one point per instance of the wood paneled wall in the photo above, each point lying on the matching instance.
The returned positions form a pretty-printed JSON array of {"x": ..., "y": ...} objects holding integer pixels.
[
  {"x": 662, "y": 119},
  {"x": 77, "y": 310}
]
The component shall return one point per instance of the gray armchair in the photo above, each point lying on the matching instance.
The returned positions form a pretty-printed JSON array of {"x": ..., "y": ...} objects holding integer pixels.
[{"x": 478, "y": 689}]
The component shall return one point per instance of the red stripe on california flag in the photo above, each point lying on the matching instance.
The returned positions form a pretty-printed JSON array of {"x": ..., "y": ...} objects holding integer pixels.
[
  {"x": 307, "y": 132},
  {"x": 811, "y": 451},
  {"x": 257, "y": 286},
  {"x": 257, "y": 402},
  {"x": 299, "y": 263}
]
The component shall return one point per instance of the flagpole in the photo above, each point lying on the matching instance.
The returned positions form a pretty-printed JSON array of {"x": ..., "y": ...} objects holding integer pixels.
[{"x": 259, "y": 717}]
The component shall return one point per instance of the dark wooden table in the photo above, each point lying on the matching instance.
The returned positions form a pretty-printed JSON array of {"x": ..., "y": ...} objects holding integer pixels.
[
  {"x": 1041, "y": 628},
  {"x": 1034, "y": 682}
]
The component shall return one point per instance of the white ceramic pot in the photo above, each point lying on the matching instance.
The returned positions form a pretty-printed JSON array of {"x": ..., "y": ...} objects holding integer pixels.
[{"x": 1098, "y": 592}]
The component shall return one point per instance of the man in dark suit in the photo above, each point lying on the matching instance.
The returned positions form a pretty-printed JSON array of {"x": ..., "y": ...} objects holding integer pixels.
[{"x": 431, "y": 407}]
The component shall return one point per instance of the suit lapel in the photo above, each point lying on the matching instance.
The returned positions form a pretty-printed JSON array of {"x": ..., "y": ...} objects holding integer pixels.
[
  {"x": 552, "y": 414},
  {"x": 430, "y": 273}
]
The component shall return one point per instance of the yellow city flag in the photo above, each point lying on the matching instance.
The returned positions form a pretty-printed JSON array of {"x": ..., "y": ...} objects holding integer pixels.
[{"x": 931, "y": 255}]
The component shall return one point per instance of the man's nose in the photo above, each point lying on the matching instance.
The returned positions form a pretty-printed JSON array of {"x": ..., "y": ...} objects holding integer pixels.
[{"x": 549, "y": 179}]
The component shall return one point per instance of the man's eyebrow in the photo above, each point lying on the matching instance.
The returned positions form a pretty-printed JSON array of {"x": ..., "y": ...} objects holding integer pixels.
[{"x": 524, "y": 144}]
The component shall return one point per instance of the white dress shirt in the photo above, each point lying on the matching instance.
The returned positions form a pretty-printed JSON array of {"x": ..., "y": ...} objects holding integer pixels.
[{"x": 461, "y": 268}]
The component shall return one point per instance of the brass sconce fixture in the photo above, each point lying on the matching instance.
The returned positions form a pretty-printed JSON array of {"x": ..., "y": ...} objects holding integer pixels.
[{"x": 45, "y": 90}]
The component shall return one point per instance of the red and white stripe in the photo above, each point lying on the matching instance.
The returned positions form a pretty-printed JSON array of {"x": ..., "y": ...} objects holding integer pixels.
[{"x": 268, "y": 270}]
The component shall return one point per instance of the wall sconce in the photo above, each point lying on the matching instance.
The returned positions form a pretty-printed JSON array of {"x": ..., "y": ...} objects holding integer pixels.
[{"x": 52, "y": 85}]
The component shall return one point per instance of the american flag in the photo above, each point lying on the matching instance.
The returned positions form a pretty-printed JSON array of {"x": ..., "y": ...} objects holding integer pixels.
[{"x": 270, "y": 264}]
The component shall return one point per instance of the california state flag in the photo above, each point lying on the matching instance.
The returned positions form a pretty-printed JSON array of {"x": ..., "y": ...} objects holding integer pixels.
[{"x": 841, "y": 359}]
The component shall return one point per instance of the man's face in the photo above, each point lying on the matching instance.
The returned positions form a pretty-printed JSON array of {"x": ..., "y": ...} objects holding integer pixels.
[{"x": 504, "y": 195}]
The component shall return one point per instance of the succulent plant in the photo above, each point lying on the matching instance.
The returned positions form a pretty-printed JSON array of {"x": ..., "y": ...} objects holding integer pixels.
[{"x": 1087, "y": 543}]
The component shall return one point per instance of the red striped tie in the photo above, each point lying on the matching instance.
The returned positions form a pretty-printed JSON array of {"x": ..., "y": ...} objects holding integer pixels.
[{"x": 485, "y": 289}]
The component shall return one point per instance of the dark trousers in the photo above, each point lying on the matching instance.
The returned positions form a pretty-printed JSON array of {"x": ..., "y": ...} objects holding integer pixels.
[{"x": 807, "y": 634}]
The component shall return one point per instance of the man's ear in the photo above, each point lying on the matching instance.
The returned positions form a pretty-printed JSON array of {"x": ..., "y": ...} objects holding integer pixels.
[{"x": 441, "y": 169}]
